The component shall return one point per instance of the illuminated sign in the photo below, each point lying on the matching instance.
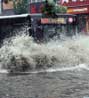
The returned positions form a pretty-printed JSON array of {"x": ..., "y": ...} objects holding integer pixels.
[
  {"x": 53, "y": 21},
  {"x": 70, "y": 20},
  {"x": 78, "y": 10},
  {"x": 75, "y": 2}
]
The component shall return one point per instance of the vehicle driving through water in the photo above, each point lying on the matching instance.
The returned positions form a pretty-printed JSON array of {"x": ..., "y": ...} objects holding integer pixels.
[
  {"x": 60, "y": 69},
  {"x": 49, "y": 27},
  {"x": 39, "y": 27}
]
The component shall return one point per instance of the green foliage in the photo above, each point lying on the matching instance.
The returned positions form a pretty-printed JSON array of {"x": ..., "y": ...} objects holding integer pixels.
[
  {"x": 48, "y": 8},
  {"x": 51, "y": 8},
  {"x": 51, "y": 2},
  {"x": 20, "y": 7},
  {"x": 60, "y": 9}
]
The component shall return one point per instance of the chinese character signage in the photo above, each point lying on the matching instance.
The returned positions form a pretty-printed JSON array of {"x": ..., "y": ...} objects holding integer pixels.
[{"x": 53, "y": 21}]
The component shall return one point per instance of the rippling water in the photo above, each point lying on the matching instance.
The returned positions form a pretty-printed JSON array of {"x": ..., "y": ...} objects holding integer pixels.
[
  {"x": 61, "y": 84},
  {"x": 64, "y": 71}
]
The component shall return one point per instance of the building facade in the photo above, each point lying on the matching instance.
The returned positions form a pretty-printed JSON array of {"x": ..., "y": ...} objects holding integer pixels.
[
  {"x": 6, "y": 7},
  {"x": 35, "y": 6},
  {"x": 81, "y": 9}
]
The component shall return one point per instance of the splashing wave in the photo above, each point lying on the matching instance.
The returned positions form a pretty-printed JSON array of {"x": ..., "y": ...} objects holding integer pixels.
[{"x": 21, "y": 53}]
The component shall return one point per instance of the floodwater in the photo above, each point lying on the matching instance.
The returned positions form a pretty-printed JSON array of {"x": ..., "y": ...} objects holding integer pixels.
[
  {"x": 64, "y": 70},
  {"x": 62, "y": 84}
]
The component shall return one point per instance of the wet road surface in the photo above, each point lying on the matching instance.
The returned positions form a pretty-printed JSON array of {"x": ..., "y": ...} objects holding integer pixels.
[{"x": 67, "y": 84}]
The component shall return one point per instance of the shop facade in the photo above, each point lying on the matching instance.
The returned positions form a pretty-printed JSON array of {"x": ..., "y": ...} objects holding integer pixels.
[{"x": 81, "y": 9}]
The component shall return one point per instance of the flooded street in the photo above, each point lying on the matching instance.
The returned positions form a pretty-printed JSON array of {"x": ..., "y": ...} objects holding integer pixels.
[
  {"x": 57, "y": 69},
  {"x": 44, "y": 49},
  {"x": 66, "y": 84}
]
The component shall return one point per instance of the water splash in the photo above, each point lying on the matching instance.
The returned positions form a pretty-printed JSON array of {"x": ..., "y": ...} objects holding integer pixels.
[
  {"x": 21, "y": 50},
  {"x": 51, "y": 70}
]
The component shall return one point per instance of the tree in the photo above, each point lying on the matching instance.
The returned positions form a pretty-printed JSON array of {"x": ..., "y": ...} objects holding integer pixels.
[
  {"x": 51, "y": 8},
  {"x": 20, "y": 7},
  {"x": 48, "y": 8},
  {"x": 60, "y": 9}
]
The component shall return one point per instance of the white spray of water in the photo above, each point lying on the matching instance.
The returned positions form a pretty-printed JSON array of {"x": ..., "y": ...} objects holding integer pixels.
[
  {"x": 61, "y": 55},
  {"x": 50, "y": 70}
]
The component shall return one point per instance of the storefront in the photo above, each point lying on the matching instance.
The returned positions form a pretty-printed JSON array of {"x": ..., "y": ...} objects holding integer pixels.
[{"x": 81, "y": 9}]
